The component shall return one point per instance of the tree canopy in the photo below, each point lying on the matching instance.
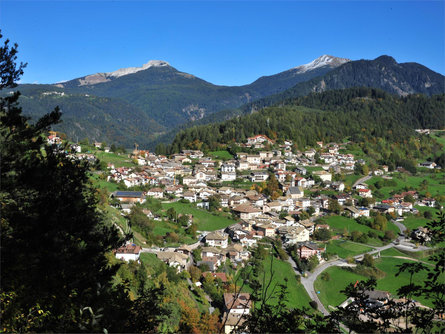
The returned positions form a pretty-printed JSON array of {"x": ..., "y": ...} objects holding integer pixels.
[{"x": 54, "y": 240}]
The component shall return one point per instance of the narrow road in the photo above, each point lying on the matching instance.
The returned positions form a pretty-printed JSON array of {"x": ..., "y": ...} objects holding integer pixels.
[
  {"x": 362, "y": 179},
  {"x": 308, "y": 282}
]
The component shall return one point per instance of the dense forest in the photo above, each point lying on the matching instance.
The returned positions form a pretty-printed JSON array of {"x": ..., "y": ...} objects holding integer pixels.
[{"x": 362, "y": 115}]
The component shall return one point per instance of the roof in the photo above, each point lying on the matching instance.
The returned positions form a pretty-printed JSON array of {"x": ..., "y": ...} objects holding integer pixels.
[
  {"x": 221, "y": 276},
  {"x": 377, "y": 294},
  {"x": 129, "y": 194},
  {"x": 233, "y": 319},
  {"x": 246, "y": 208},
  {"x": 216, "y": 236},
  {"x": 237, "y": 300},
  {"x": 129, "y": 249},
  {"x": 172, "y": 256}
]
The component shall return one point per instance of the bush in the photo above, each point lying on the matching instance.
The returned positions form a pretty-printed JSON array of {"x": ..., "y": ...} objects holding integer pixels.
[
  {"x": 322, "y": 234},
  {"x": 325, "y": 276},
  {"x": 368, "y": 260},
  {"x": 427, "y": 215},
  {"x": 313, "y": 304},
  {"x": 389, "y": 235},
  {"x": 372, "y": 234}
]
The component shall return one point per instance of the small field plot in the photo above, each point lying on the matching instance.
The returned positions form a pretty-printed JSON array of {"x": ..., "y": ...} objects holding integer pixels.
[
  {"x": 345, "y": 248},
  {"x": 330, "y": 294},
  {"x": 119, "y": 160},
  {"x": 339, "y": 224},
  {"x": 204, "y": 219},
  {"x": 297, "y": 296},
  {"x": 223, "y": 155}
]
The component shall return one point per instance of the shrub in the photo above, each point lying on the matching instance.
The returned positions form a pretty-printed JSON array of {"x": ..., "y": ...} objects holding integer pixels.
[
  {"x": 325, "y": 276},
  {"x": 389, "y": 235},
  {"x": 313, "y": 304}
]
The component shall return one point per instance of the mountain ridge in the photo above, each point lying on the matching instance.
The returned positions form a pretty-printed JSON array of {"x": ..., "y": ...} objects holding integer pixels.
[{"x": 171, "y": 99}]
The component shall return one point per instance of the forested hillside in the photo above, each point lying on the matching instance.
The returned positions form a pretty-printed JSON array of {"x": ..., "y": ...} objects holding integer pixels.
[
  {"x": 382, "y": 73},
  {"x": 359, "y": 114}
]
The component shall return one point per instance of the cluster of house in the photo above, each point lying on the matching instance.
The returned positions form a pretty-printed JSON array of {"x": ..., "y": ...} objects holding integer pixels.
[{"x": 396, "y": 203}]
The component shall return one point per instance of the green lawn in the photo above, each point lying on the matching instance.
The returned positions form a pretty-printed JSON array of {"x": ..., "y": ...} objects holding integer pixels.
[
  {"x": 391, "y": 283},
  {"x": 223, "y": 155},
  {"x": 413, "y": 222},
  {"x": 119, "y": 160},
  {"x": 297, "y": 296},
  {"x": 330, "y": 290},
  {"x": 204, "y": 219},
  {"x": 340, "y": 223},
  {"x": 346, "y": 248},
  {"x": 435, "y": 184},
  {"x": 392, "y": 252},
  {"x": 351, "y": 178},
  {"x": 99, "y": 183},
  {"x": 439, "y": 137}
]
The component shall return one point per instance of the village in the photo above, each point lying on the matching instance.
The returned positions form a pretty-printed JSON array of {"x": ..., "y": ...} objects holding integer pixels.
[{"x": 273, "y": 194}]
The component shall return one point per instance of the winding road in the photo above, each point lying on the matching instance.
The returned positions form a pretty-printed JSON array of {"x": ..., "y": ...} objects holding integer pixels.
[{"x": 308, "y": 282}]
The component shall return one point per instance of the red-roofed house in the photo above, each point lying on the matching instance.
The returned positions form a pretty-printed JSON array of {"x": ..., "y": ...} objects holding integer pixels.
[{"x": 128, "y": 252}]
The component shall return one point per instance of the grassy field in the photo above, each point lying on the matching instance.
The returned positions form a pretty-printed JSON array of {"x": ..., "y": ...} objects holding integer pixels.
[
  {"x": 330, "y": 290},
  {"x": 439, "y": 137},
  {"x": 223, "y": 155},
  {"x": 413, "y": 222},
  {"x": 346, "y": 248},
  {"x": 351, "y": 178},
  {"x": 119, "y": 160},
  {"x": 99, "y": 183},
  {"x": 435, "y": 184},
  {"x": 340, "y": 223},
  {"x": 392, "y": 252},
  {"x": 391, "y": 283},
  {"x": 296, "y": 294},
  {"x": 204, "y": 219}
]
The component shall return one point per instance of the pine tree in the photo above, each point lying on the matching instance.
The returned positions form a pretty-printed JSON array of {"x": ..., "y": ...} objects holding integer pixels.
[{"x": 55, "y": 275}]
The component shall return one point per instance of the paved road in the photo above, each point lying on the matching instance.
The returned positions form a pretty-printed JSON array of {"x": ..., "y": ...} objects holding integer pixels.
[
  {"x": 308, "y": 282},
  {"x": 362, "y": 179}
]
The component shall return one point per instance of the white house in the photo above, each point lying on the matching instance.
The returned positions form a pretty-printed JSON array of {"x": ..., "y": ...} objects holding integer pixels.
[
  {"x": 129, "y": 252},
  {"x": 217, "y": 239},
  {"x": 323, "y": 175},
  {"x": 155, "y": 193}
]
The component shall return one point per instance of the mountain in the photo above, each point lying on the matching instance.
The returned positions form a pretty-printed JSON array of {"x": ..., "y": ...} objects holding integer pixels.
[
  {"x": 272, "y": 84},
  {"x": 382, "y": 73},
  {"x": 148, "y": 104},
  {"x": 153, "y": 99}
]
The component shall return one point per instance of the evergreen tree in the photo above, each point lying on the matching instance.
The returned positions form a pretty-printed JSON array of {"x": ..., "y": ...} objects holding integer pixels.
[{"x": 55, "y": 275}]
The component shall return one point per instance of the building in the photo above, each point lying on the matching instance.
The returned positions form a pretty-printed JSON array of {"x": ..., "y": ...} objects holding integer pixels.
[
  {"x": 128, "y": 253},
  {"x": 295, "y": 192},
  {"x": 129, "y": 196},
  {"x": 247, "y": 211},
  {"x": 217, "y": 239},
  {"x": 323, "y": 175},
  {"x": 176, "y": 260},
  {"x": 308, "y": 249},
  {"x": 236, "y": 305},
  {"x": 155, "y": 193}
]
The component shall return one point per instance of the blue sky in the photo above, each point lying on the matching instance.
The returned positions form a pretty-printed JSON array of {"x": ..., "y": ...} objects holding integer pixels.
[{"x": 227, "y": 42}]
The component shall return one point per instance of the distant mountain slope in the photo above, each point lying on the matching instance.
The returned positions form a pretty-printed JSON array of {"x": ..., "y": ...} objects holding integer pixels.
[
  {"x": 96, "y": 118},
  {"x": 148, "y": 104},
  {"x": 328, "y": 116},
  {"x": 167, "y": 97},
  {"x": 383, "y": 73}
]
